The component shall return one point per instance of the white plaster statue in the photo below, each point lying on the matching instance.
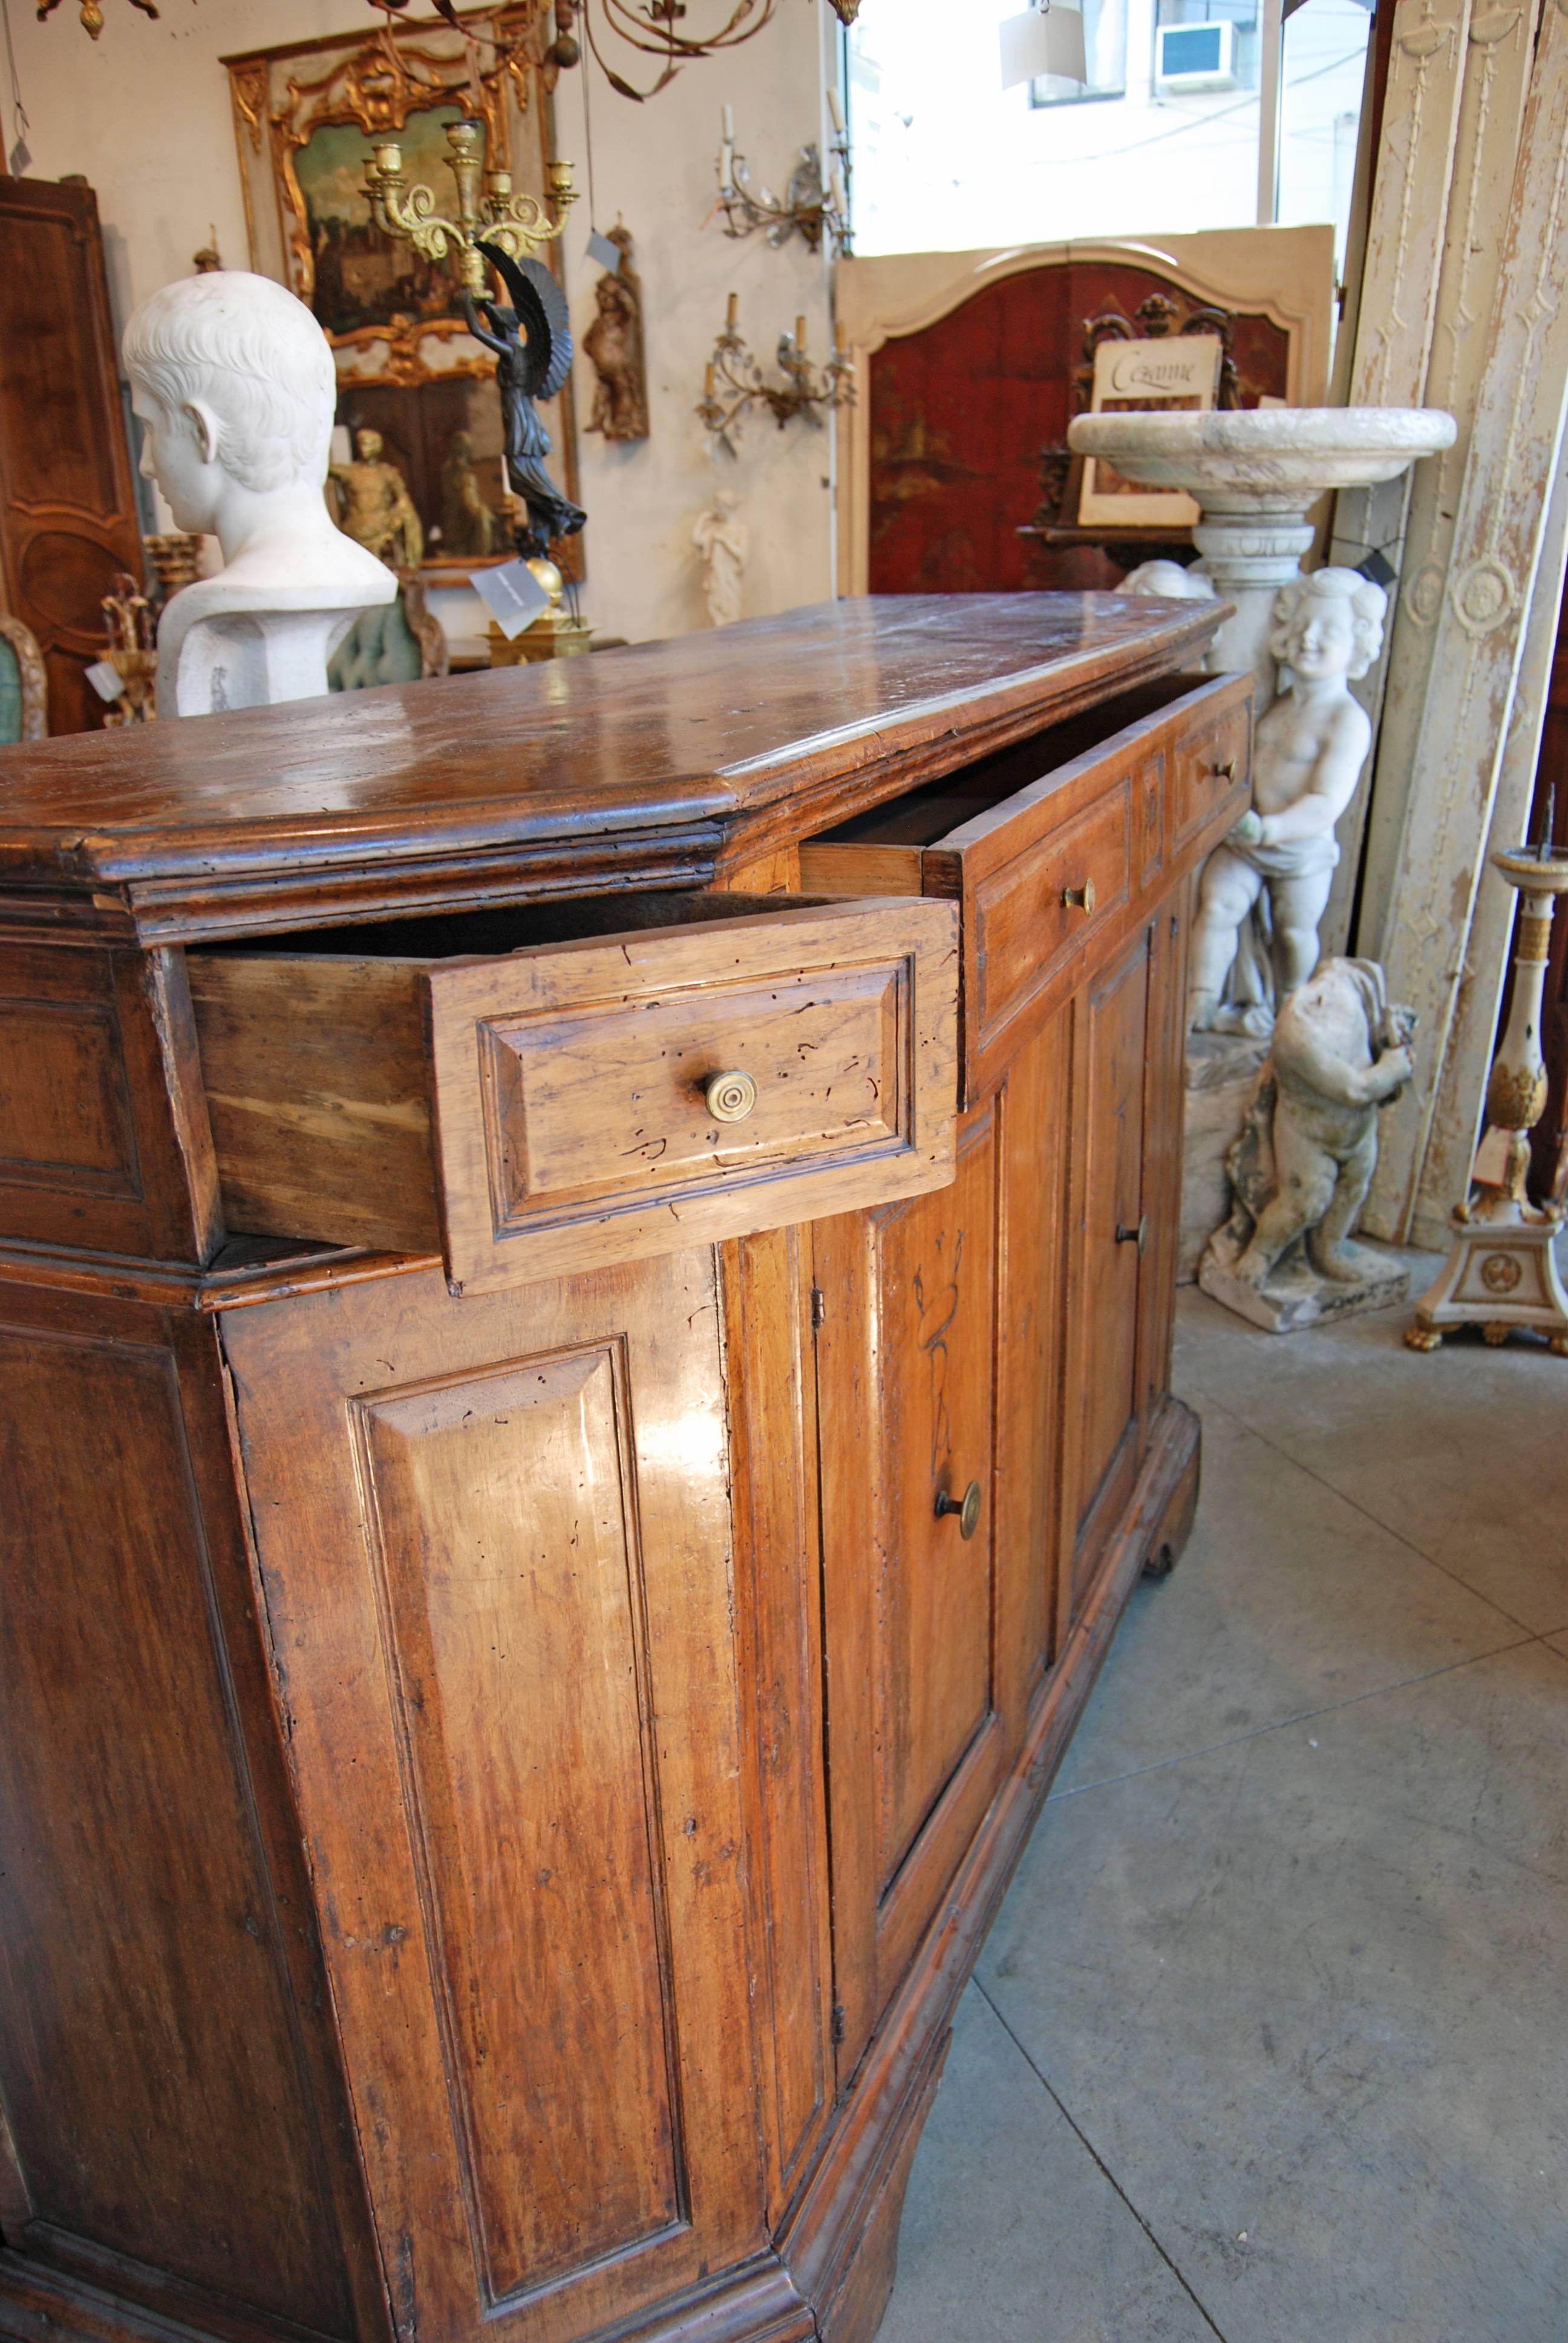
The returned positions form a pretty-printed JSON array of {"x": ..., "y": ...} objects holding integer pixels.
[
  {"x": 724, "y": 541},
  {"x": 233, "y": 381},
  {"x": 1171, "y": 581},
  {"x": 1304, "y": 1161},
  {"x": 1309, "y": 748}
]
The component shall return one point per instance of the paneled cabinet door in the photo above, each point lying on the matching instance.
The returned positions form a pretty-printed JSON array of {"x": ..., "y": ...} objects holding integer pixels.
[
  {"x": 1109, "y": 1279},
  {"x": 905, "y": 1366},
  {"x": 494, "y": 1536}
]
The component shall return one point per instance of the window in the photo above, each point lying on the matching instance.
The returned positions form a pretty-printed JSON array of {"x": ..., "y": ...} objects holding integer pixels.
[{"x": 946, "y": 159}]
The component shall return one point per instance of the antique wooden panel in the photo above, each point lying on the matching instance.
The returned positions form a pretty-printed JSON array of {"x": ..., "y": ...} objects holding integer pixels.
[
  {"x": 773, "y": 1435},
  {"x": 104, "y": 1139},
  {"x": 69, "y": 521},
  {"x": 494, "y": 1539},
  {"x": 1113, "y": 1039},
  {"x": 148, "y": 2032},
  {"x": 905, "y": 1356},
  {"x": 1499, "y": 536}
]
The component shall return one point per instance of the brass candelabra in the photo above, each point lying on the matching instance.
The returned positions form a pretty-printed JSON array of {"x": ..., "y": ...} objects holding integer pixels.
[
  {"x": 734, "y": 381},
  {"x": 487, "y": 206}
]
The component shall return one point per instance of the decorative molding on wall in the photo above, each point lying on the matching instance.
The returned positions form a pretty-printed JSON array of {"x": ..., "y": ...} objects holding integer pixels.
[
  {"x": 1411, "y": 206},
  {"x": 1462, "y": 1082},
  {"x": 1492, "y": 111},
  {"x": 1279, "y": 271},
  {"x": 1479, "y": 630}
]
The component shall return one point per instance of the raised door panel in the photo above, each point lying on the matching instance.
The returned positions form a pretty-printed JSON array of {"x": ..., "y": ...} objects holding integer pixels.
[
  {"x": 906, "y": 1378},
  {"x": 68, "y": 523},
  {"x": 151, "y": 2067},
  {"x": 1113, "y": 1033},
  {"x": 496, "y": 1540}
]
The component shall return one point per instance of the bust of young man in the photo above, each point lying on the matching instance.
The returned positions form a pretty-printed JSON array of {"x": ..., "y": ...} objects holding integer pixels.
[{"x": 232, "y": 382}]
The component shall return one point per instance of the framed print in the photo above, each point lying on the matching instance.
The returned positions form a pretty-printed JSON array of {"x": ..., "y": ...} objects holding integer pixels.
[{"x": 1169, "y": 375}]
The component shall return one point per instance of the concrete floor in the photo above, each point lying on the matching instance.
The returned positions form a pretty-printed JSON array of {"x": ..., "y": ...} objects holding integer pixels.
[{"x": 1270, "y": 2041}]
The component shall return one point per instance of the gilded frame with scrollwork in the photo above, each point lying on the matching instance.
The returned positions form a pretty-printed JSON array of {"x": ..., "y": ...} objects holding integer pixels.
[{"x": 375, "y": 81}]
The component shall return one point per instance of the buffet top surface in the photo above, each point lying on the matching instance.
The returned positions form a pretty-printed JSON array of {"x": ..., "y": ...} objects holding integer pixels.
[{"x": 665, "y": 762}]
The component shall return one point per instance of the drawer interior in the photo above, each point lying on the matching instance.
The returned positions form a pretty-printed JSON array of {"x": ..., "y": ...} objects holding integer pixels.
[
  {"x": 508, "y": 928},
  {"x": 927, "y": 816}
]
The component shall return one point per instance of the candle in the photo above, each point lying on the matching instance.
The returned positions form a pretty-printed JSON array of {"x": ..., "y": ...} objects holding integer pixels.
[
  {"x": 732, "y": 316},
  {"x": 800, "y": 335},
  {"x": 708, "y": 384},
  {"x": 729, "y": 125},
  {"x": 727, "y": 166},
  {"x": 836, "y": 110},
  {"x": 840, "y": 194}
]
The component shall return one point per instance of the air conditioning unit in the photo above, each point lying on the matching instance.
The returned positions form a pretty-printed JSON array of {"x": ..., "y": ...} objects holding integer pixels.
[{"x": 1196, "y": 56}]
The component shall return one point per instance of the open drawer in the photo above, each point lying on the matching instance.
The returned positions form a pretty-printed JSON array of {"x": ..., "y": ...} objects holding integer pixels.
[
  {"x": 535, "y": 1094},
  {"x": 1048, "y": 847}
]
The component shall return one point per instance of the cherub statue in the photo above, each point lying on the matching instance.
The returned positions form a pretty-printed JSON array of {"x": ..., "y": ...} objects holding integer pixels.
[
  {"x": 532, "y": 343},
  {"x": 1305, "y": 1159},
  {"x": 374, "y": 507},
  {"x": 1312, "y": 743},
  {"x": 723, "y": 539}
]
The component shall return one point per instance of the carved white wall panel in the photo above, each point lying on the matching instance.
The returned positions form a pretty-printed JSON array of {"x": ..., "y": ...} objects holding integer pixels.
[
  {"x": 1462, "y": 1085},
  {"x": 1492, "y": 111},
  {"x": 1479, "y": 630},
  {"x": 1395, "y": 321}
]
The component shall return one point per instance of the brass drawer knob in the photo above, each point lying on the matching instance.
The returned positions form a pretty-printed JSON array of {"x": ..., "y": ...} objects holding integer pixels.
[
  {"x": 968, "y": 1510},
  {"x": 1227, "y": 771},
  {"x": 1137, "y": 1236},
  {"x": 1079, "y": 898},
  {"x": 730, "y": 1097}
]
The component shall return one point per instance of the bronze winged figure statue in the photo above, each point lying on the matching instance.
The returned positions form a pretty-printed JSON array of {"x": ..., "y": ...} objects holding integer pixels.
[{"x": 532, "y": 342}]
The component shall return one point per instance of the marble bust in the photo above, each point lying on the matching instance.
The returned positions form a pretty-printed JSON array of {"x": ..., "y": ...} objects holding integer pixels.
[
  {"x": 233, "y": 384},
  {"x": 1310, "y": 745}
]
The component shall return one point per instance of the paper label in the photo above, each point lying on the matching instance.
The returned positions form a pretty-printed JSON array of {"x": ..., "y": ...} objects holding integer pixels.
[
  {"x": 1043, "y": 41},
  {"x": 106, "y": 680},
  {"x": 607, "y": 254},
  {"x": 512, "y": 595}
]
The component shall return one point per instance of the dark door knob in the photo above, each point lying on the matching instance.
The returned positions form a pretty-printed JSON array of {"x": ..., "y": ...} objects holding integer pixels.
[
  {"x": 1137, "y": 1236},
  {"x": 967, "y": 1508}
]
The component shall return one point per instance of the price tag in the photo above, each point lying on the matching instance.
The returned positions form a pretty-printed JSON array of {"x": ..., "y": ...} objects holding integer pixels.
[
  {"x": 512, "y": 595},
  {"x": 604, "y": 253},
  {"x": 106, "y": 680},
  {"x": 1043, "y": 41}
]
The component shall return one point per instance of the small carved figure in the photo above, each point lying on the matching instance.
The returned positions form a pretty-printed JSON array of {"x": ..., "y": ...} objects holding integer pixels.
[
  {"x": 532, "y": 344},
  {"x": 1304, "y": 1161},
  {"x": 468, "y": 524},
  {"x": 613, "y": 345},
  {"x": 1310, "y": 745},
  {"x": 374, "y": 507},
  {"x": 724, "y": 541}
]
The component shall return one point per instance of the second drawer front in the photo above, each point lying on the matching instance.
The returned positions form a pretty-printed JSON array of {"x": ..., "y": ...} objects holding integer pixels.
[
  {"x": 1033, "y": 913},
  {"x": 575, "y": 1111},
  {"x": 1210, "y": 770}
]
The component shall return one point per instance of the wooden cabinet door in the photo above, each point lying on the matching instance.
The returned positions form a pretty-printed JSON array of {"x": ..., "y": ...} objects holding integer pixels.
[
  {"x": 905, "y": 1365},
  {"x": 68, "y": 523},
  {"x": 494, "y": 1539},
  {"x": 1106, "y": 1398}
]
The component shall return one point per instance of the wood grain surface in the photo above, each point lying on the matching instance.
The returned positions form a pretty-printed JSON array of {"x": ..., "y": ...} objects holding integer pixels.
[{"x": 650, "y": 764}]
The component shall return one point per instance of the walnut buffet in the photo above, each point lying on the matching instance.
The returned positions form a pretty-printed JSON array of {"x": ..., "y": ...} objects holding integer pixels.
[{"x": 585, "y": 1270}]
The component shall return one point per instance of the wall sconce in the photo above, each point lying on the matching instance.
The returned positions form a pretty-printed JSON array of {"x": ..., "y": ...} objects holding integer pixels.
[
  {"x": 808, "y": 207},
  {"x": 734, "y": 381}
]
